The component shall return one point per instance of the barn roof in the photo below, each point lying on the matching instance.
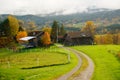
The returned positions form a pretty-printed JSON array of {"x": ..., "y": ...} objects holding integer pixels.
[
  {"x": 27, "y": 38},
  {"x": 78, "y": 34}
]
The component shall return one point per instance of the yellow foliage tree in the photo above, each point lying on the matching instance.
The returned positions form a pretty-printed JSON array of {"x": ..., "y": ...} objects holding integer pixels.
[
  {"x": 97, "y": 39},
  {"x": 47, "y": 29},
  {"x": 104, "y": 39},
  {"x": 118, "y": 38},
  {"x": 89, "y": 28},
  {"x": 21, "y": 34},
  {"x": 46, "y": 39},
  {"x": 13, "y": 25},
  {"x": 31, "y": 26},
  {"x": 108, "y": 38}
]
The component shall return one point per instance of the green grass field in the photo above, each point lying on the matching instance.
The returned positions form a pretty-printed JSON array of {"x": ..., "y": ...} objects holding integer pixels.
[
  {"x": 11, "y": 64},
  {"x": 107, "y": 65}
]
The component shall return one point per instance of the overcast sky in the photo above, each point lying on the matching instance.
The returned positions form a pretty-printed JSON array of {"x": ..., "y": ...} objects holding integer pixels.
[{"x": 48, "y": 6}]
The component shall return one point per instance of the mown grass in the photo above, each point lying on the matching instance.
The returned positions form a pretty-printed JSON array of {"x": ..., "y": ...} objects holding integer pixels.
[
  {"x": 35, "y": 57},
  {"x": 107, "y": 66}
]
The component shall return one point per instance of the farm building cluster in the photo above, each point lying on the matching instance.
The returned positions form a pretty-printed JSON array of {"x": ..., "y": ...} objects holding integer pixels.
[{"x": 69, "y": 39}]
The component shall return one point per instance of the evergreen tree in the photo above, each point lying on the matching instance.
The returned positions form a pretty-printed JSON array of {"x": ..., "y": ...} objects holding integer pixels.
[
  {"x": 5, "y": 28},
  {"x": 62, "y": 30},
  {"x": 54, "y": 32}
]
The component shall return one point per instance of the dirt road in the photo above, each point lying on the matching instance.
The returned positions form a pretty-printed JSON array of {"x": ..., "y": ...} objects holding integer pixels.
[{"x": 84, "y": 75}]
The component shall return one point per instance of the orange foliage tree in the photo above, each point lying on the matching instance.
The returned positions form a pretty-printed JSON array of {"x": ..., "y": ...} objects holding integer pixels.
[
  {"x": 46, "y": 39},
  {"x": 21, "y": 34}
]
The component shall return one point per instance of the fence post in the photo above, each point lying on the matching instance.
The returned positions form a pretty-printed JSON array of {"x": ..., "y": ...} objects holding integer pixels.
[
  {"x": 8, "y": 64},
  {"x": 69, "y": 57},
  {"x": 38, "y": 61}
]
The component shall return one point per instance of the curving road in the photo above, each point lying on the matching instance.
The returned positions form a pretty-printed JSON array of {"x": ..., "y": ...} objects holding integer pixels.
[{"x": 84, "y": 75}]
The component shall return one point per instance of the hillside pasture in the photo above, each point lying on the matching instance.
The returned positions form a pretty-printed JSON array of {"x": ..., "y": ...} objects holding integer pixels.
[{"x": 107, "y": 65}]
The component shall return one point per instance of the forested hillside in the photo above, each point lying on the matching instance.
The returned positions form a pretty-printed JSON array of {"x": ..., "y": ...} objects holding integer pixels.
[{"x": 104, "y": 19}]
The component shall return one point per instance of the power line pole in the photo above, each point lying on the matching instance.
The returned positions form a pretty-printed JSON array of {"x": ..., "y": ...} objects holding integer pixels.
[{"x": 57, "y": 34}]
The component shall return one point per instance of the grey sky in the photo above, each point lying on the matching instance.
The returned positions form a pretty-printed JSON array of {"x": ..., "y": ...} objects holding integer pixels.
[{"x": 48, "y": 6}]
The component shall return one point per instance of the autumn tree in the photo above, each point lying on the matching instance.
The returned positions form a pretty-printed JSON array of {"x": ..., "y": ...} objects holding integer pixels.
[
  {"x": 46, "y": 40},
  {"x": 105, "y": 39},
  {"x": 97, "y": 39},
  {"x": 54, "y": 32},
  {"x": 89, "y": 28},
  {"x": 21, "y": 34},
  {"x": 10, "y": 26},
  {"x": 108, "y": 38},
  {"x": 31, "y": 26},
  {"x": 21, "y": 25},
  {"x": 46, "y": 29},
  {"x": 13, "y": 26},
  {"x": 118, "y": 38},
  {"x": 115, "y": 38}
]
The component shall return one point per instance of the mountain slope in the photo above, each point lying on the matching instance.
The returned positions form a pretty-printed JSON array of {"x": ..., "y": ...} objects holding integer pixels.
[{"x": 102, "y": 18}]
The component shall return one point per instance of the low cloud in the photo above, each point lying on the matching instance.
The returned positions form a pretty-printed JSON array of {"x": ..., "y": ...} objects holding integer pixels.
[{"x": 48, "y": 6}]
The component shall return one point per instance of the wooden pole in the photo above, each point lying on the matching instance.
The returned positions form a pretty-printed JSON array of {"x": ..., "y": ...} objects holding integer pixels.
[
  {"x": 8, "y": 64},
  {"x": 69, "y": 57},
  {"x": 38, "y": 61}
]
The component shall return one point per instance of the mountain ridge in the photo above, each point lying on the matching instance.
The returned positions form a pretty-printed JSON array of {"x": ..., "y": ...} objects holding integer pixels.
[{"x": 69, "y": 19}]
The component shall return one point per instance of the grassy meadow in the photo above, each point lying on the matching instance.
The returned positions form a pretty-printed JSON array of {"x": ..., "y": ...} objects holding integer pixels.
[
  {"x": 35, "y": 64},
  {"x": 107, "y": 64}
]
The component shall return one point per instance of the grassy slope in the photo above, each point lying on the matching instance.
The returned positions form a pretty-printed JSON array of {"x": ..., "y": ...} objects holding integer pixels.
[
  {"x": 48, "y": 56},
  {"x": 107, "y": 66}
]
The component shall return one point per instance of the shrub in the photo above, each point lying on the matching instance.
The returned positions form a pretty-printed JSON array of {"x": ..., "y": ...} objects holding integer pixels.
[
  {"x": 118, "y": 55},
  {"x": 4, "y": 41}
]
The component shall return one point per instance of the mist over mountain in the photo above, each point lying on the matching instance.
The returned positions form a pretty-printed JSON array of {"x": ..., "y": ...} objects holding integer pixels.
[{"x": 92, "y": 9}]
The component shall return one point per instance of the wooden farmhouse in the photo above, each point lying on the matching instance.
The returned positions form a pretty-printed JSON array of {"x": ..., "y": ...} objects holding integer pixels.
[
  {"x": 77, "y": 38},
  {"x": 33, "y": 39}
]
